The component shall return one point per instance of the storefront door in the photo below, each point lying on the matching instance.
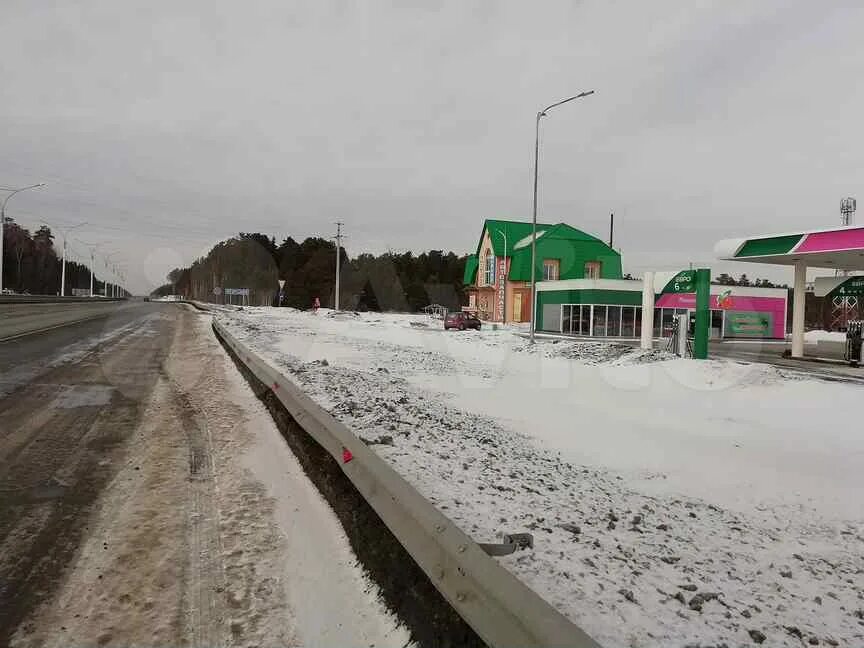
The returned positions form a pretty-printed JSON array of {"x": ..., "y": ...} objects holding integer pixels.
[{"x": 517, "y": 307}]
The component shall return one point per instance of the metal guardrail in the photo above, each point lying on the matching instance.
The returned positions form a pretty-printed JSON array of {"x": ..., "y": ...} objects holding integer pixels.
[
  {"x": 501, "y": 609},
  {"x": 53, "y": 299}
]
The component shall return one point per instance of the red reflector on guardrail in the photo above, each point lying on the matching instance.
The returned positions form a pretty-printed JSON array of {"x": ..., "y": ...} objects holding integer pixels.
[{"x": 346, "y": 455}]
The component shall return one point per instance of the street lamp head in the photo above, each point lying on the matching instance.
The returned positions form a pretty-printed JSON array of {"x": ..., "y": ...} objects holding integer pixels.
[{"x": 542, "y": 113}]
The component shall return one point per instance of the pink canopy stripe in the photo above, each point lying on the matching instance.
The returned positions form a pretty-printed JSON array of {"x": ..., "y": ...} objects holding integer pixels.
[{"x": 850, "y": 239}]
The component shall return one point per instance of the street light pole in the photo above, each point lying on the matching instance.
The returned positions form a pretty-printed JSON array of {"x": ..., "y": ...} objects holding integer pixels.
[
  {"x": 12, "y": 192},
  {"x": 540, "y": 114},
  {"x": 107, "y": 258},
  {"x": 63, "y": 267},
  {"x": 63, "y": 271},
  {"x": 92, "y": 247}
]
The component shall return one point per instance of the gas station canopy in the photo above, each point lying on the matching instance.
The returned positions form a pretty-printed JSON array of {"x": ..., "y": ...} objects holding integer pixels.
[{"x": 839, "y": 248}]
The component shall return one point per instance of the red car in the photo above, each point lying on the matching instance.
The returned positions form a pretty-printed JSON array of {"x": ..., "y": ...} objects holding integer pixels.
[{"x": 461, "y": 321}]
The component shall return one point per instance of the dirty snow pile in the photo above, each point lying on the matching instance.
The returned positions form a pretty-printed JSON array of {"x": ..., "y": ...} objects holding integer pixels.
[
  {"x": 672, "y": 502},
  {"x": 824, "y": 336}
]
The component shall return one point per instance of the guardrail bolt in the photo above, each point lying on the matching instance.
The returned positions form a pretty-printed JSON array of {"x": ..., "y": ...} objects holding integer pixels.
[
  {"x": 439, "y": 528},
  {"x": 462, "y": 548},
  {"x": 460, "y": 597}
]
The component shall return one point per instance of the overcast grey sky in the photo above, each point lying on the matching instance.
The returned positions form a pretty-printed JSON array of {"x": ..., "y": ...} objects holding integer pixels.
[{"x": 169, "y": 126}]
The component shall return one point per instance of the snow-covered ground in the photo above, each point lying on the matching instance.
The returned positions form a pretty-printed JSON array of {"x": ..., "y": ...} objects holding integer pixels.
[
  {"x": 826, "y": 336},
  {"x": 672, "y": 502}
]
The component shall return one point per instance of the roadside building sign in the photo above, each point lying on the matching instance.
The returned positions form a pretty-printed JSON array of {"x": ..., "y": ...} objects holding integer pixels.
[
  {"x": 851, "y": 287},
  {"x": 749, "y": 324},
  {"x": 724, "y": 299},
  {"x": 698, "y": 282},
  {"x": 80, "y": 292},
  {"x": 502, "y": 278},
  {"x": 243, "y": 292},
  {"x": 683, "y": 282}
]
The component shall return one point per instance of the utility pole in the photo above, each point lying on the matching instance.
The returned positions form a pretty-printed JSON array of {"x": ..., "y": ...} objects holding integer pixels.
[
  {"x": 339, "y": 225},
  {"x": 611, "y": 228}
]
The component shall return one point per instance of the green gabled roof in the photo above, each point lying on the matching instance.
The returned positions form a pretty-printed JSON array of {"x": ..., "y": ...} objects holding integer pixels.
[
  {"x": 557, "y": 243},
  {"x": 570, "y": 233},
  {"x": 513, "y": 230},
  {"x": 520, "y": 265},
  {"x": 550, "y": 238},
  {"x": 470, "y": 274}
]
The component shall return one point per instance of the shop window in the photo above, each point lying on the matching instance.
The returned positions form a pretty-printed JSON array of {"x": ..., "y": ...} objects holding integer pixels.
[
  {"x": 578, "y": 320},
  {"x": 613, "y": 321},
  {"x": 574, "y": 319},
  {"x": 628, "y": 321},
  {"x": 489, "y": 270},
  {"x": 668, "y": 318},
  {"x": 592, "y": 269},
  {"x": 637, "y": 322},
  {"x": 600, "y": 321},
  {"x": 585, "y": 320},
  {"x": 550, "y": 269}
]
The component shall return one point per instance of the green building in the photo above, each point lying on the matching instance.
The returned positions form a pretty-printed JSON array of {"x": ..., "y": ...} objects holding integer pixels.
[{"x": 498, "y": 275}]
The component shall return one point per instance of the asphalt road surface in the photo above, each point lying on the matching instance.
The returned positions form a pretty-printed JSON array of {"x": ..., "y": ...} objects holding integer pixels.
[
  {"x": 18, "y": 320},
  {"x": 129, "y": 513},
  {"x": 69, "y": 398},
  {"x": 772, "y": 353}
]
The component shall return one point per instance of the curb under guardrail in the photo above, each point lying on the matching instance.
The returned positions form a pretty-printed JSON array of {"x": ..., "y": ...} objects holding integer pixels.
[{"x": 501, "y": 609}]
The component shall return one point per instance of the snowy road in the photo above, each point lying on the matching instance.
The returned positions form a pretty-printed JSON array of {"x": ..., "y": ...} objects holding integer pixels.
[
  {"x": 147, "y": 498},
  {"x": 672, "y": 502}
]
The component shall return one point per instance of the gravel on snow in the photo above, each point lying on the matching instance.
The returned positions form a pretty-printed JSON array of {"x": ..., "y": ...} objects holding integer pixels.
[{"x": 631, "y": 568}]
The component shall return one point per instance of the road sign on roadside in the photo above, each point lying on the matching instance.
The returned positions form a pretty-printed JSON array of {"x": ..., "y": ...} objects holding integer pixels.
[
  {"x": 851, "y": 287},
  {"x": 683, "y": 282},
  {"x": 281, "y": 284},
  {"x": 217, "y": 290},
  {"x": 699, "y": 282}
]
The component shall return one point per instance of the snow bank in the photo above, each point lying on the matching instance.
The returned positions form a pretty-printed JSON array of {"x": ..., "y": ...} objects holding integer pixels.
[
  {"x": 826, "y": 336},
  {"x": 672, "y": 502}
]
